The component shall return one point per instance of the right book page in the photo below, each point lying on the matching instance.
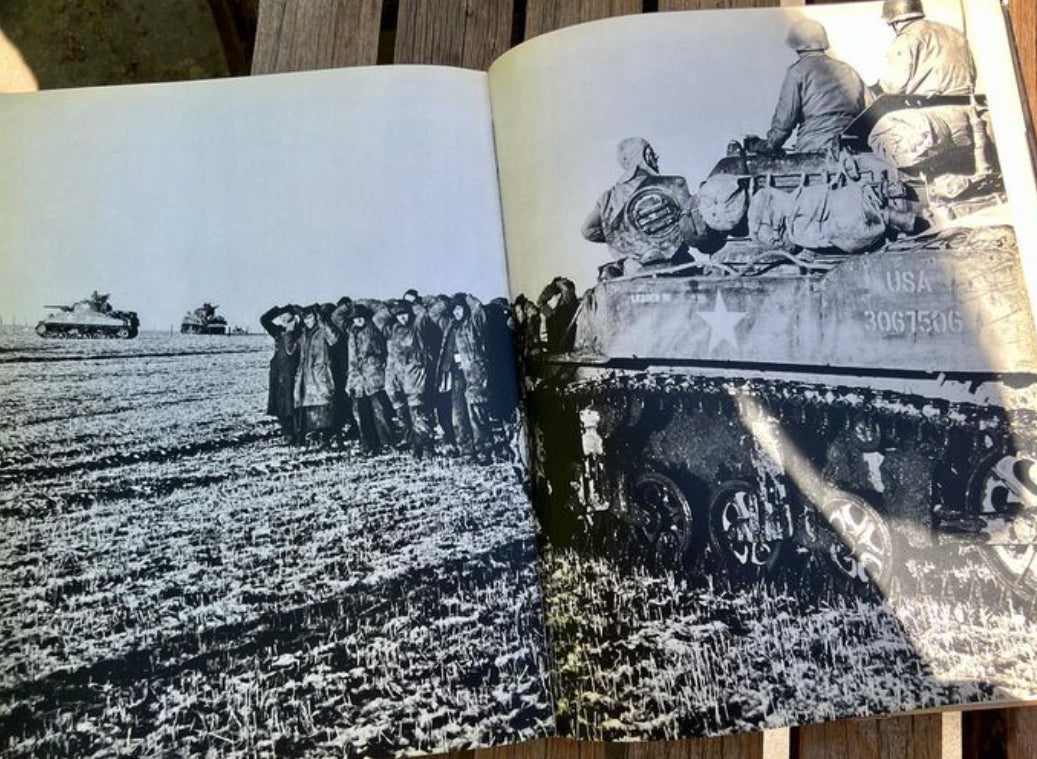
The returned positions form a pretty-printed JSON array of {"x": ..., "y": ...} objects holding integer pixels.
[{"x": 779, "y": 359}]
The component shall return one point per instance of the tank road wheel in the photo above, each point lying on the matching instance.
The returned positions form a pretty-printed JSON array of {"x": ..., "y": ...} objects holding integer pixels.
[
  {"x": 738, "y": 531},
  {"x": 862, "y": 548},
  {"x": 667, "y": 524},
  {"x": 1004, "y": 488},
  {"x": 122, "y": 333},
  {"x": 41, "y": 330}
]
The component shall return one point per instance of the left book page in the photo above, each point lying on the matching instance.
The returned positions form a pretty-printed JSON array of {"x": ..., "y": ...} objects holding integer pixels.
[{"x": 217, "y": 543}]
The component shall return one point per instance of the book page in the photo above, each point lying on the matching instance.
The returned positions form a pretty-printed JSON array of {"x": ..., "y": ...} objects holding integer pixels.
[
  {"x": 258, "y": 404},
  {"x": 780, "y": 362}
]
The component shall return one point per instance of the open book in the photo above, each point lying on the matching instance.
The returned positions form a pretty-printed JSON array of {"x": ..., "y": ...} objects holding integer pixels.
[{"x": 733, "y": 432}]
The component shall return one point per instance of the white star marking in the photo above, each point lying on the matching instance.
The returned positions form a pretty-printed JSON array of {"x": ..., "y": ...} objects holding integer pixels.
[{"x": 721, "y": 323}]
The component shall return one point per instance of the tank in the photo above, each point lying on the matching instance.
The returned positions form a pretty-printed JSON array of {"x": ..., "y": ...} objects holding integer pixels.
[
  {"x": 204, "y": 321},
  {"x": 847, "y": 408},
  {"x": 91, "y": 317}
]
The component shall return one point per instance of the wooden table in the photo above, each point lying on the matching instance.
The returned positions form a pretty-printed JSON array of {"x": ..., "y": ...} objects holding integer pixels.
[{"x": 294, "y": 35}]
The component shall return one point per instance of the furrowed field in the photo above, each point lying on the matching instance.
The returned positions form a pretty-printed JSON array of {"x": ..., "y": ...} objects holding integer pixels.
[
  {"x": 175, "y": 579},
  {"x": 641, "y": 654}
]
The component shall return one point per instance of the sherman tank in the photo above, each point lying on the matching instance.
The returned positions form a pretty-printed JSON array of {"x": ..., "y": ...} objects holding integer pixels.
[
  {"x": 771, "y": 401},
  {"x": 91, "y": 317},
  {"x": 204, "y": 321}
]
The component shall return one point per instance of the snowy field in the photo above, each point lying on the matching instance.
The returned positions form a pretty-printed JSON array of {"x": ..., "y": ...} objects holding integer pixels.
[
  {"x": 173, "y": 579},
  {"x": 659, "y": 655}
]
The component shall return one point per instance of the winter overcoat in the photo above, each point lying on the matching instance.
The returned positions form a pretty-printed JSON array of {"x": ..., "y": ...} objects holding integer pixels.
[
  {"x": 410, "y": 357},
  {"x": 470, "y": 351},
  {"x": 281, "y": 393},
  {"x": 314, "y": 382},
  {"x": 367, "y": 354}
]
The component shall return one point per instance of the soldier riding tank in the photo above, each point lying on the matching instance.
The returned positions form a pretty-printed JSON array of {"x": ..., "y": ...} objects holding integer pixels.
[
  {"x": 809, "y": 397},
  {"x": 91, "y": 317},
  {"x": 204, "y": 321}
]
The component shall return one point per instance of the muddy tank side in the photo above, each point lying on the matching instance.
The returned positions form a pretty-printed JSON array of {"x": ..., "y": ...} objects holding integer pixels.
[{"x": 922, "y": 308}]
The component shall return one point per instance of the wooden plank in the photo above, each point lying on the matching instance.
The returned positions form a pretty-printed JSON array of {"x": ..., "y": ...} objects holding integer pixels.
[
  {"x": 548, "y": 15},
  {"x": 694, "y": 5},
  {"x": 1000, "y": 733},
  {"x": 1023, "y": 14},
  {"x": 907, "y": 737},
  {"x": 1021, "y": 732},
  {"x": 726, "y": 747},
  {"x": 469, "y": 33},
  {"x": 317, "y": 34},
  {"x": 950, "y": 735}
]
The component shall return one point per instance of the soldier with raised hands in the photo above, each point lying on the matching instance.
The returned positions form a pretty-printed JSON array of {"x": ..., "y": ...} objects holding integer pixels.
[{"x": 409, "y": 365}]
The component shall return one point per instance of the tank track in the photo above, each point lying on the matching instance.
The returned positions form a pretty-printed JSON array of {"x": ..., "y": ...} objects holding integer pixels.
[
  {"x": 72, "y": 332},
  {"x": 952, "y": 448}
]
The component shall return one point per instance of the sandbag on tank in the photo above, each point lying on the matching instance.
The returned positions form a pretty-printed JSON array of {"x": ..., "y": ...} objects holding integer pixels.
[
  {"x": 856, "y": 218},
  {"x": 910, "y": 137},
  {"x": 847, "y": 215},
  {"x": 723, "y": 202},
  {"x": 769, "y": 212}
]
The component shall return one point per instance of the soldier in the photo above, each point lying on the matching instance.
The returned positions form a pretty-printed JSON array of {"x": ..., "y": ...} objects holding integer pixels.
[
  {"x": 925, "y": 58},
  {"x": 345, "y": 424},
  {"x": 407, "y": 372},
  {"x": 282, "y": 324},
  {"x": 820, "y": 95},
  {"x": 501, "y": 346},
  {"x": 447, "y": 386},
  {"x": 557, "y": 306},
  {"x": 645, "y": 217},
  {"x": 463, "y": 364},
  {"x": 314, "y": 384},
  {"x": 527, "y": 326},
  {"x": 100, "y": 302},
  {"x": 366, "y": 381}
]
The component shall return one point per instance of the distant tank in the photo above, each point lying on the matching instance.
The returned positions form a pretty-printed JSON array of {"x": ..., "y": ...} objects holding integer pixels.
[
  {"x": 92, "y": 317},
  {"x": 769, "y": 402},
  {"x": 204, "y": 321}
]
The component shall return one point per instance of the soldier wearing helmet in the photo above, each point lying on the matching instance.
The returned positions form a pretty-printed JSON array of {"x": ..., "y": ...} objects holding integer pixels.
[
  {"x": 925, "y": 58},
  {"x": 820, "y": 95},
  {"x": 646, "y": 216}
]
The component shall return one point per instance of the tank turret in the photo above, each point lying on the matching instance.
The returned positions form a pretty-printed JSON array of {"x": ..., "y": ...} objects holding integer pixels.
[
  {"x": 774, "y": 398},
  {"x": 204, "y": 321},
  {"x": 92, "y": 317}
]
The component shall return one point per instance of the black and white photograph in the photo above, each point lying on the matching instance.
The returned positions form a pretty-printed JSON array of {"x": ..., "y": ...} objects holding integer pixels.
[
  {"x": 260, "y": 470},
  {"x": 674, "y": 377},
  {"x": 781, "y": 376}
]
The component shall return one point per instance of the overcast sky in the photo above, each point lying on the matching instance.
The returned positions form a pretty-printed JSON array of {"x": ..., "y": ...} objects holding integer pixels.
[
  {"x": 687, "y": 82},
  {"x": 249, "y": 192}
]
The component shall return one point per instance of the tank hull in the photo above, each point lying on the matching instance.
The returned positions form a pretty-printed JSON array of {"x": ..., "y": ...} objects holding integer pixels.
[
  {"x": 203, "y": 329},
  {"x": 916, "y": 307},
  {"x": 854, "y": 415},
  {"x": 203, "y": 321},
  {"x": 89, "y": 325}
]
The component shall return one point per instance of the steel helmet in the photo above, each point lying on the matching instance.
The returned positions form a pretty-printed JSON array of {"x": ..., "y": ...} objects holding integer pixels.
[
  {"x": 807, "y": 34},
  {"x": 902, "y": 10}
]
